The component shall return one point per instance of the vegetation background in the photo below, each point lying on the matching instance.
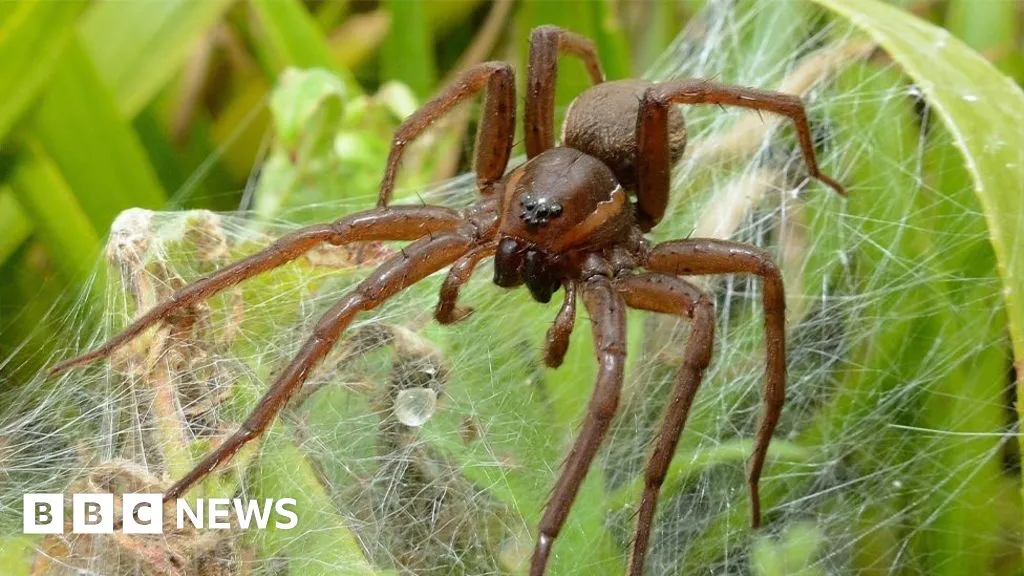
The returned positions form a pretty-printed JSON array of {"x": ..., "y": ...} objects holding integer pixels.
[
  {"x": 112, "y": 105},
  {"x": 165, "y": 105}
]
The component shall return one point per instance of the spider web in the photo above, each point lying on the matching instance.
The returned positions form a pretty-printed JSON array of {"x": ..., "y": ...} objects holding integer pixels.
[{"x": 429, "y": 450}]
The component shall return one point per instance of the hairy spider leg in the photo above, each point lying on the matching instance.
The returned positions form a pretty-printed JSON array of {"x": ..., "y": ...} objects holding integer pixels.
[
  {"x": 494, "y": 136},
  {"x": 546, "y": 43},
  {"x": 701, "y": 256},
  {"x": 398, "y": 223},
  {"x": 608, "y": 316},
  {"x": 669, "y": 295},
  {"x": 653, "y": 166},
  {"x": 417, "y": 261}
]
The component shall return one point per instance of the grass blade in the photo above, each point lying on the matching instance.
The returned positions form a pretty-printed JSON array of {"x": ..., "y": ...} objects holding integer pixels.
[
  {"x": 32, "y": 37},
  {"x": 13, "y": 222},
  {"x": 294, "y": 39},
  {"x": 991, "y": 28},
  {"x": 612, "y": 44},
  {"x": 96, "y": 150},
  {"x": 326, "y": 540},
  {"x": 61, "y": 223},
  {"x": 408, "y": 51},
  {"x": 138, "y": 46}
]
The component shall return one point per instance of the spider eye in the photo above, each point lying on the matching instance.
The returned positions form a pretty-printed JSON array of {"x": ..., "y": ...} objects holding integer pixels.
[{"x": 535, "y": 214}]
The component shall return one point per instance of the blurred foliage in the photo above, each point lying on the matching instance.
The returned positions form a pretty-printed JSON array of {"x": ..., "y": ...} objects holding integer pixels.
[{"x": 166, "y": 105}]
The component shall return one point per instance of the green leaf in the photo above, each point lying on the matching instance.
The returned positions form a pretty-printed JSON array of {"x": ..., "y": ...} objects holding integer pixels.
[
  {"x": 32, "y": 38},
  {"x": 299, "y": 96},
  {"x": 14, "y": 223},
  {"x": 794, "y": 555},
  {"x": 983, "y": 110},
  {"x": 612, "y": 43},
  {"x": 444, "y": 16},
  {"x": 96, "y": 150},
  {"x": 687, "y": 466},
  {"x": 138, "y": 46}
]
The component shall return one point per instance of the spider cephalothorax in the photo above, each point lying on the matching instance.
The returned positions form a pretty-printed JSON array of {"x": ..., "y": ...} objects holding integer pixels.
[
  {"x": 571, "y": 217},
  {"x": 557, "y": 207}
]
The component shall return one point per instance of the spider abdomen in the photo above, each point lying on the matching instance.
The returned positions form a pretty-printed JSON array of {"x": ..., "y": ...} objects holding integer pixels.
[{"x": 602, "y": 123}]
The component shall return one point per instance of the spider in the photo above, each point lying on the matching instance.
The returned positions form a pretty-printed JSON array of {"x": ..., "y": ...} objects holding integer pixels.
[{"x": 572, "y": 216}]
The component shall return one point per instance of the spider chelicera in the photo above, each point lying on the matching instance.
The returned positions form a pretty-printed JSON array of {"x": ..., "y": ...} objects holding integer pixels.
[{"x": 566, "y": 218}]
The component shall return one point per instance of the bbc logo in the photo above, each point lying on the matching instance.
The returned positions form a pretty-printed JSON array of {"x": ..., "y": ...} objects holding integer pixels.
[
  {"x": 92, "y": 513},
  {"x": 144, "y": 513}
]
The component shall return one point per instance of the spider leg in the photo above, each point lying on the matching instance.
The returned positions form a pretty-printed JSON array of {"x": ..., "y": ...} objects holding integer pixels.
[
  {"x": 558, "y": 334},
  {"x": 546, "y": 42},
  {"x": 669, "y": 295},
  {"x": 608, "y": 316},
  {"x": 710, "y": 256},
  {"x": 415, "y": 262},
  {"x": 494, "y": 136},
  {"x": 398, "y": 223},
  {"x": 448, "y": 311},
  {"x": 653, "y": 169}
]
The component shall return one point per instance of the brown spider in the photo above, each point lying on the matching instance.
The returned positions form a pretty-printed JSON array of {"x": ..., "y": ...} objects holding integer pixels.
[{"x": 564, "y": 218}]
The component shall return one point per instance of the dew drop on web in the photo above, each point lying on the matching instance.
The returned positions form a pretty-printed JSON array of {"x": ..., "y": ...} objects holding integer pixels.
[{"x": 414, "y": 406}]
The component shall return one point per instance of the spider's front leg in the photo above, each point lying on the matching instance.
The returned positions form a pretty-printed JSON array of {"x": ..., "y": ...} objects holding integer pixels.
[
  {"x": 669, "y": 295},
  {"x": 494, "y": 136},
  {"x": 608, "y": 316},
  {"x": 653, "y": 164},
  {"x": 415, "y": 262},
  {"x": 546, "y": 43},
  {"x": 708, "y": 256},
  {"x": 398, "y": 223}
]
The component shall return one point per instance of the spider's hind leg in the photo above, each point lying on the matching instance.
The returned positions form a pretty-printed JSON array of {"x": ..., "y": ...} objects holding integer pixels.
[
  {"x": 711, "y": 256},
  {"x": 653, "y": 166}
]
